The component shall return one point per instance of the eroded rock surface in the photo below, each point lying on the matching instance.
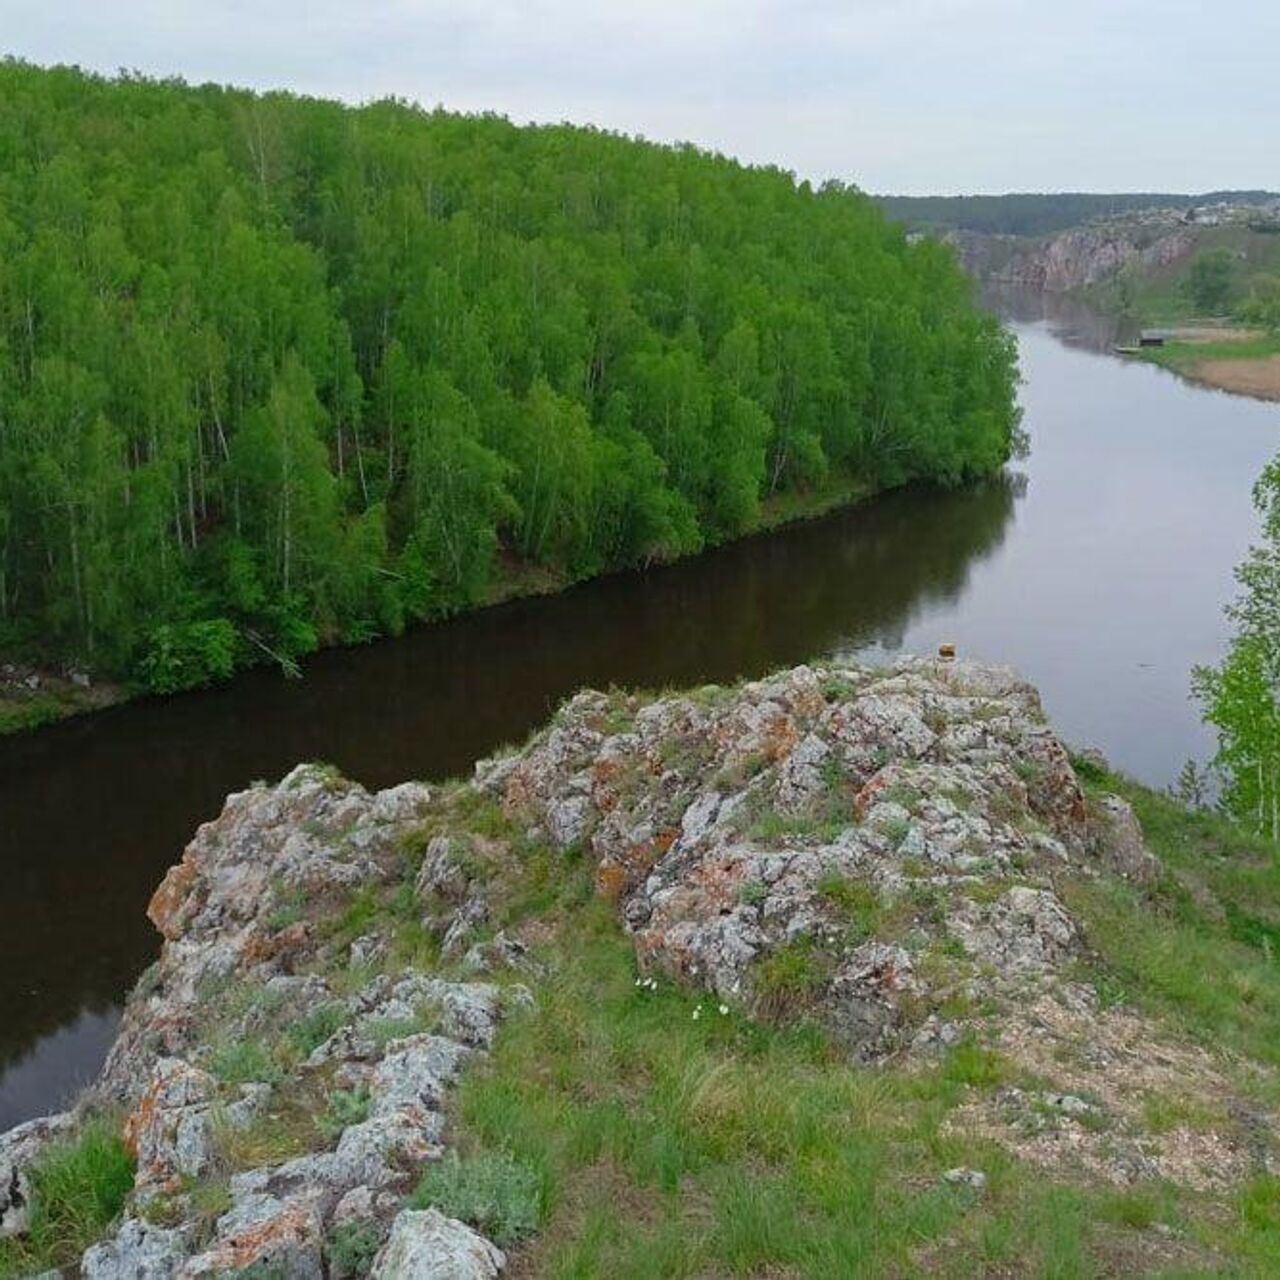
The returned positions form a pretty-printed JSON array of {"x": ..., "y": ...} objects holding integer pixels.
[
  {"x": 255, "y": 980},
  {"x": 793, "y": 816},
  {"x": 890, "y": 851}
]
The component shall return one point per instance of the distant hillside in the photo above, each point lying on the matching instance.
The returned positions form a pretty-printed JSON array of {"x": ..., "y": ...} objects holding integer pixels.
[{"x": 1030, "y": 213}]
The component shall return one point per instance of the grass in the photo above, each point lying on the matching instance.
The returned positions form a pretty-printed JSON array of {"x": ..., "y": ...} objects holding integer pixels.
[
  {"x": 492, "y": 1191},
  {"x": 787, "y": 980},
  {"x": 1189, "y": 358},
  {"x": 244, "y": 1062},
  {"x": 345, "y": 1107},
  {"x": 613, "y": 1132},
  {"x": 663, "y": 1145},
  {"x": 78, "y": 1189},
  {"x": 30, "y": 713},
  {"x": 1199, "y": 952},
  {"x": 351, "y": 1249}
]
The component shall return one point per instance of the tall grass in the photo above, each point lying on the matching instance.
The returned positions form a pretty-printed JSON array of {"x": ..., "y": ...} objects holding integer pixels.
[{"x": 78, "y": 1189}]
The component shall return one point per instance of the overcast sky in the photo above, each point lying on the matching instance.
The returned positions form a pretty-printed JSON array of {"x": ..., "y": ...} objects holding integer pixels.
[{"x": 895, "y": 95}]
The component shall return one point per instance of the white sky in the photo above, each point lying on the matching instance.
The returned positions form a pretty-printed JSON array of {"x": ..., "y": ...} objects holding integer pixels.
[{"x": 896, "y": 95}]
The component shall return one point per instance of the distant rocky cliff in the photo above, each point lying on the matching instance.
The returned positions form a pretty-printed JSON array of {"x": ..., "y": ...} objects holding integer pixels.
[
  {"x": 882, "y": 850},
  {"x": 1073, "y": 259}
]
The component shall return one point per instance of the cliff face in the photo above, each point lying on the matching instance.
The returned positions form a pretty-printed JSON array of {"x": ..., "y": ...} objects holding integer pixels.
[
  {"x": 883, "y": 851},
  {"x": 1073, "y": 259}
]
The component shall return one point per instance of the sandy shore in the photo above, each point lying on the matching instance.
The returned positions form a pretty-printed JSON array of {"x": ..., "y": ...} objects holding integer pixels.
[{"x": 1258, "y": 377}]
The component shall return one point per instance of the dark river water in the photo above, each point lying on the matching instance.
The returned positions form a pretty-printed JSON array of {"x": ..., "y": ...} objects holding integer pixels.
[{"x": 1098, "y": 567}]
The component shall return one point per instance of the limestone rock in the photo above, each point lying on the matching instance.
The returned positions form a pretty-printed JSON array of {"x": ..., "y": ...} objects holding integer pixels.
[
  {"x": 1118, "y": 841},
  {"x": 171, "y": 1129},
  {"x": 140, "y": 1251},
  {"x": 280, "y": 1237},
  {"x": 425, "y": 1245},
  {"x": 19, "y": 1148}
]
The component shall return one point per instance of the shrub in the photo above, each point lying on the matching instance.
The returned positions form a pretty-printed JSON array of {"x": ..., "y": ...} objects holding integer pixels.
[
  {"x": 492, "y": 1191},
  {"x": 311, "y": 1031},
  {"x": 352, "y": 1248},
  {"x": 346, "y": 1107},
  {"x": 243, "y": 1062},
  {"x": 188, "y": 655},
  {"x": 791, "y": 976}
]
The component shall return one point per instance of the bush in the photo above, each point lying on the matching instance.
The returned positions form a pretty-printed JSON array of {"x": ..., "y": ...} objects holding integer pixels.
[
  {"x": 243, "y": 1062},
  {"x": 346, "y": 1107},
  {"x": 492, "y": 1191},
  {"x": 352, "y": 1248},
  {"x": 310, "y": 1032},
  {"x": 189, "y": 655}
]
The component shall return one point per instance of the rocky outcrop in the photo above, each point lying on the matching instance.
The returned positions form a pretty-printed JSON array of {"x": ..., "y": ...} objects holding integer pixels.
[
  {"x": 254, "y": 980},
  {"x": 775, "y": 832},
  {"x": 428, "y": 1246},
  {"x": 887, "y": 851}
]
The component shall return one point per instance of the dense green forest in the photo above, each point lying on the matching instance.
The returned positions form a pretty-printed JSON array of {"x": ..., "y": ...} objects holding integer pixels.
[
  {"x": 1032, "y": 213},
  {"x": 277, "y": 372}
]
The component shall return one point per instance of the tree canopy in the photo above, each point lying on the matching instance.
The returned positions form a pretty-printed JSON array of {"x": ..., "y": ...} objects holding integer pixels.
[{"x": 275, "y": 371}]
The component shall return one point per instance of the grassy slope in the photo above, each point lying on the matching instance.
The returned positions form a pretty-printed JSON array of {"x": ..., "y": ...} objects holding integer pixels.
[
  {"x": 669, "y": 1144},
  {"x": 1161, "y": 295},
  {"x": 644, "y": 1133}
]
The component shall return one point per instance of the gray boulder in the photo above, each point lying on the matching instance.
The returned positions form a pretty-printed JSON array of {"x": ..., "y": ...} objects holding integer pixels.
[
  {"x": 19, "y": 1148},
  {"x": 140, "y": 1251},
  {"x": 425, "y": 1245}
]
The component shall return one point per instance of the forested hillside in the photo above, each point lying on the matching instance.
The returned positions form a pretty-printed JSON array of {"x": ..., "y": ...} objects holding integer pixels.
[
  {"x": 276, "y": 372},
  {"x": 1036, "y": 213}
]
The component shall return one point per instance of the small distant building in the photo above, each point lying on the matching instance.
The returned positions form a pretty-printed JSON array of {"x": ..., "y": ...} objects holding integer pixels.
[{"x": 1153, "y": 337}]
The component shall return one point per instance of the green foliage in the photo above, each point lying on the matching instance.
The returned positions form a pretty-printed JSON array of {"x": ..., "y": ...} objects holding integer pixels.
[
  {"x": 1204, "y": 957},
  {"x": 787, "y": 980},
  {"x": 972, "y": 1063},
  {"x": 352, "y": 1248},
  {"x": 673, "y": 1146},
  {"x": 315, "y": 1027},
  {"x": 243, "y": 1062},
  {"x": 276, "y": 372},
  {"x": 857, "y": 900},
  {"x": 188, "y": 655},
  {"x": 1262, "y": 307},
  {"x": 1209, "y": 281},
  {"x": 1241, "y": 696},
  {"x": 492, "y": 1191},
  {"x": 345, "y": 1107},
  {"x": 78, "y": 1189}
]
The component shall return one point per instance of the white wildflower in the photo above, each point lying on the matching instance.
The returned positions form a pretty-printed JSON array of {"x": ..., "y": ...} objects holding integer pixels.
[{"x": 724, "y": 1009}]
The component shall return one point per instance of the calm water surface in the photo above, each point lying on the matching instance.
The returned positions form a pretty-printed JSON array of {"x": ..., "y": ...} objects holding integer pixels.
[{"x": 1100, "y": 573}]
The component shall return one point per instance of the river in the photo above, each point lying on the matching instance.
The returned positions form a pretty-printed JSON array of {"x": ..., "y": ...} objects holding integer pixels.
[{"x": 1098, "y": 567}]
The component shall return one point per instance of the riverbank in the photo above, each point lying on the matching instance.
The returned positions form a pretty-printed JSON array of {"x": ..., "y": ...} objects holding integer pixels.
[
  {"x": 843, "y": 971},
  {"x": 32, "y": 696},
  {"x": 1237, "y": 360}
]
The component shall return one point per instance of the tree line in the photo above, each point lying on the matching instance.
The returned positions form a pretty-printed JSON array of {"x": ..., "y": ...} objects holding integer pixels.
[
  {"x": 277, "y": 372},
  {"x": 1035, "y": 213}
]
